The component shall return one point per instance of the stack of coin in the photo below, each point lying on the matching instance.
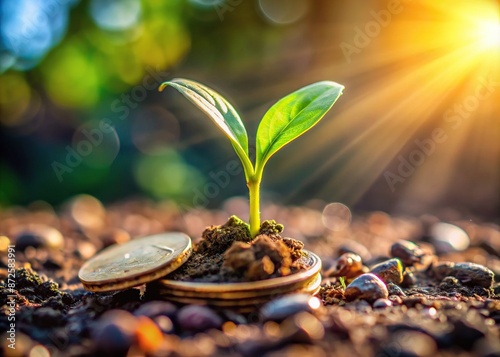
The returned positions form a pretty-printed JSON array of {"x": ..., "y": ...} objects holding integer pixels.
[
  {"x": 149, "y": 259},
  {"x": 245, "y": 295}
]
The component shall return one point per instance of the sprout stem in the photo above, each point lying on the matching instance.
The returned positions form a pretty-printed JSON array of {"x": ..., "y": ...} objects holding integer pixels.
[{"x": 254, "y": 193}]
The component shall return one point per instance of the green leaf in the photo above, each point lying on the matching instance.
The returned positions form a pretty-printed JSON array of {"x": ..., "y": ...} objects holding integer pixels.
[
  {"x": 222, "y": 113},
  {"x": 292, "y": 116}
]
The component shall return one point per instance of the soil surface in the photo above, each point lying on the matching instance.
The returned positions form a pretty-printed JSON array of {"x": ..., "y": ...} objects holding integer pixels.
[
  {"x": 380, "y": 296},
  {"x": 227, "y": 253}
]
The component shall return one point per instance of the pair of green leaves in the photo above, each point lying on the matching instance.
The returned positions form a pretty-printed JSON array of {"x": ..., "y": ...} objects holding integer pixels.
[{"x": 286, "y": 120}]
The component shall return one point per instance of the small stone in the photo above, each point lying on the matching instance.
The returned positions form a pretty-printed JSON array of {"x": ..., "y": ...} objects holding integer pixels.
[
  {"x": 409, "y": 343},
  {"x": 382, "y": 303},
  {"x": 114, "y": 332},
  {"x": 85, "y": 249},
  {"x": 196, "y": 318},
  {"x": 302, "y": 327},
  {"x": 233, "y": 316},
  {"x": 396, "y": 300},
  {"x": 409, "y": 279},
  {"x": 390, "y": 271},
  {"x": 367, "y": 287},
  {"x": 348, "y": 265},
  {"x": 39, "y": 351},
  {"x": 448, "y": 238},
  {"x": 164, "y": 323},
  {"x": 449, "y": 282},
  {"x": 149, "y": 336},
  {"x": 288, "y": 305},
  {"x": 469, "y": 329},
  {"x": 29, "y": 239},
  {"x": 37, "y": 236},
  {"x": 408, "y": 252},
  {"x": 470, "y": 274},
  {"x": 395, "y": 290},
  {"x": 154, "y": 309},
  {"x": 351, "y": 246},
  {"x": 87, "y": 212}
]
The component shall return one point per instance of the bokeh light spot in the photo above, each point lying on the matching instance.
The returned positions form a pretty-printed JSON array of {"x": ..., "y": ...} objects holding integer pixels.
[
  {"x": 72, "y": 77},
  {"x": 115, "y": 15},
  {"x": 166, "y": 175},
  {"x": 97, "y": 142},
  {"x": 336, "y": 216},
  {"x": 14, "y": 98},
  {"x": 284, "y": 12}
]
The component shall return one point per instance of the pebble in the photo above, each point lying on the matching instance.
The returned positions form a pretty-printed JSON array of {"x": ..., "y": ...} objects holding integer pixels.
[
  {"x": 382, "y": 303},
  {"x": 348, "y": 265},
  {"x": 149, "y": 336},
  {"x": 154, "y": 309},
  {"x": 37, "y": 236},
  {"x": 449, "y": 282},
  {"x": 395, "y": 290},
  {"x": 114, "y": 332},
  {"x": 351, "y": 246},
  {"x": 395, "y": 300},
  {"x": 288, "y": 305},
  {"x": 408, "y": 252},
  {"x": 468, "y": 329},
  {"x": 164, "y": 323},
  {"x": 467, "y": 273},
  {"x": 302, "y": 328},
  {"x": 409, "y": 343},
  {"x": 85, "y": 249},
  {"x": 448, "y": 238},
  {"x": 196, "y": 318},
  {"x": 87, "y": 212},
  {"x": 233, "y": 316},
  {"x": 367, "y": 287},
  {"x": 390, "y": 271},
  {"x": 409, "y": 279}
]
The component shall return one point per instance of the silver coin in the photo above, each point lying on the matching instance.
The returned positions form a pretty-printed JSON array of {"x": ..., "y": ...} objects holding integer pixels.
[{"x": 136, "y": 262}]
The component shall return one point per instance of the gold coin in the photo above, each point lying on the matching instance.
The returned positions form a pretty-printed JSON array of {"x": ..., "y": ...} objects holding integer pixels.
[
  {"x": 246, "y": 295},
  {"x": 136, "y": 262}
]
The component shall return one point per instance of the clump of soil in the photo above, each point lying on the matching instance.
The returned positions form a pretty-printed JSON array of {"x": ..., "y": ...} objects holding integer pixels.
[{"x": 227, "y": 253}]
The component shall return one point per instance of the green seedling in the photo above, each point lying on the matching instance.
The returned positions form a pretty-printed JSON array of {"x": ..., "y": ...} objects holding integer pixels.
[
  {"x": 342, "y": 282},
  {"x": 286, "y": 120}
]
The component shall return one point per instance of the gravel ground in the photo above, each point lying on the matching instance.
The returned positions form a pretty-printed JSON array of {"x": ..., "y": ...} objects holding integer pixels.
[{"x": 443, "y": 300}]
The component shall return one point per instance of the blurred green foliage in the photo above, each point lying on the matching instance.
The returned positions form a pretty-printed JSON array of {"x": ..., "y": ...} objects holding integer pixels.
[{"x": 69, "y": 66}]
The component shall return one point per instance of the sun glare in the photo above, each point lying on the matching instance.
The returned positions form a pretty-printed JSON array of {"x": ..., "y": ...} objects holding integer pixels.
[
  {"x": 432, "y": 67},
  {"x": 489, "y": 34}
]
